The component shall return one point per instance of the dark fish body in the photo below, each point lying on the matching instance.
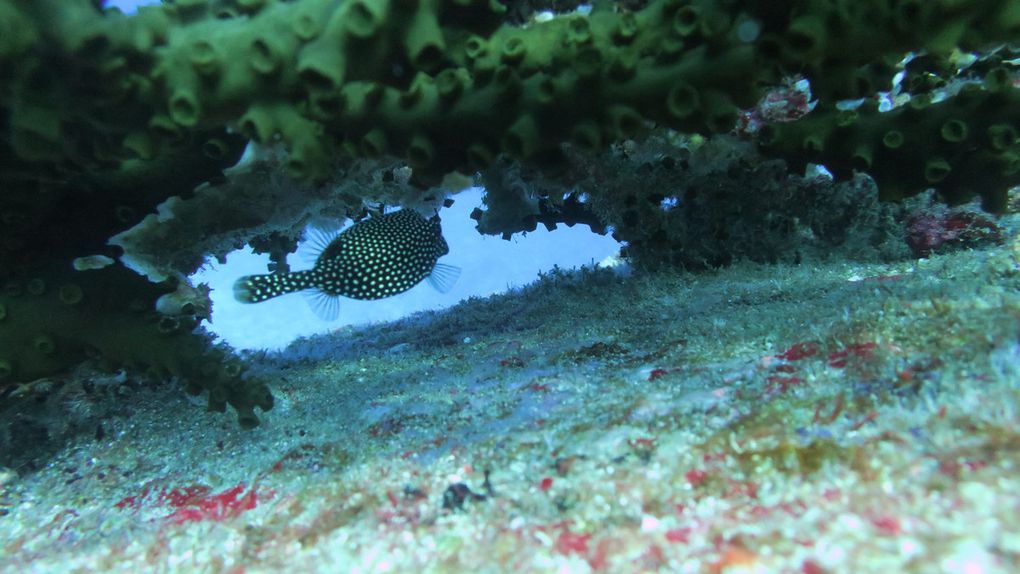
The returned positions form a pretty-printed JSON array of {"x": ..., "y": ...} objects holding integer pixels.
[{"x": 373, "y": 259}]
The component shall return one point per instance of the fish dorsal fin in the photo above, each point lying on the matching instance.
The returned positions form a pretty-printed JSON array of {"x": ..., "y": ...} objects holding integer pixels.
[
  {"x": 317, "y": 238},
  {"x": 324, "y": 305},
  {"x": 443, "y": 277}
]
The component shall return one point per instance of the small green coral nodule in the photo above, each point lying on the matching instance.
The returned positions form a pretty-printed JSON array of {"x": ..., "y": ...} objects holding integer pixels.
[
  {"x": 936, "y": 169},
  {"x": 168, "y": 325},
  {"x": 233, "y": 369},
  {"x": 374, "y": 143},
  {"x": 682, "y": 100},
  {"x": 36, "y": 286},
  {"x": 70, "y": 294},
  {"x": 264, "y": 56},
  {"x": 363, "y": 18},
  {"x": 513, "y": 50},
  {"x": 44, "y": 344},
  {"x": 862, "y": 158},
  {"x": 185, "y": 107},
  {"x": 215, "y": 148},
  {"x": 954, "y": 131},
  {"x": 893, "y": 139},
  {"x": 1002, "y": 136},
  {"x": 523, "y": 137},
  {"x": 421, "y": 152},
  {"x": 205, "y": 58},
  {"x": 479, "y": 156},
  {"x": 687, "y": 20}
]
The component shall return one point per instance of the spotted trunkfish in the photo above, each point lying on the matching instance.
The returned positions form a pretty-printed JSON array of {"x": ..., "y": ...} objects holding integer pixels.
[{"x": 375, "y": 258}]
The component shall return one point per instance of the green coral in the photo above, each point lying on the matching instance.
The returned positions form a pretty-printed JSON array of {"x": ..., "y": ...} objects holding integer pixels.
[
  {"x": 421, "y": 78},
  {"x": 109, "y": 313},
  {"x": 965, "y": 145}
]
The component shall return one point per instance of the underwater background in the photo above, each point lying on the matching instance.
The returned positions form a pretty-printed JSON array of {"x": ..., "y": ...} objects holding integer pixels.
[{"x": 775, "y": 325}]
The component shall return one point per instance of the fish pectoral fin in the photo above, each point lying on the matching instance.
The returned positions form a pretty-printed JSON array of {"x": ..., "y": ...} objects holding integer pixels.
[
  {"x": 443, "y": 277},
  {"x": 324, "y": 305},
  {"x": 316, "y": 239}
]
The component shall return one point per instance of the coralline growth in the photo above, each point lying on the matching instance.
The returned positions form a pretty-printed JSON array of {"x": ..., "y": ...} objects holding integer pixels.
[{"x": 122, "y": 126}]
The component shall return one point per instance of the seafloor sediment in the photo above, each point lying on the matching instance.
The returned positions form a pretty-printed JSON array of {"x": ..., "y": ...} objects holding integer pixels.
[{"x": 819, "y": 418}]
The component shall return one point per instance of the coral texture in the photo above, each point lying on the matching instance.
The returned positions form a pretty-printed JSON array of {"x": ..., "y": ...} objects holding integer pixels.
[{"x": 121, "y": 126}]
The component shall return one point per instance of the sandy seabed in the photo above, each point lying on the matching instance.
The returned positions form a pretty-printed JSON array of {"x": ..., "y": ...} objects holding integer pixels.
[{"x": 822, "y": 418}]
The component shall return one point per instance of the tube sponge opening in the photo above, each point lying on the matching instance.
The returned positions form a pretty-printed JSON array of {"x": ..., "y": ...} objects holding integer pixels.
[
  {"x": 374, "y": 143},
  {"x": 587, "y": 135},
  {"x": 626, "y": 121},
  {"x": 363, "y": 19},
  {"x": 450, "y": 83},
  {"x": 185, "y": 108},
  {"x": 204, "y": 58},
  {"x": 70, "y": 294},
  {"x": 475, "y": 47},
  {"x": 425, "y": 43},
  {"x": 936, "y": 169},
  {"x": 420, "y": 152},
  {"x": 805, "y": 36},
  {"x": 862, "y": 158},
  {"x": 893, "y": 139},
  {"x": 513, "y": 50},
  {"x": 36, "y": 286},
  {"x": 215, "y": 148},
  {"x": 522, "y": 139},
  {"x": 321, "y": 66},
  {"x": 44, "y": 344},
  {"x": 257, "y": 124},
  {"x": 687, "y": 20},
  {"x": 168, "y": 325},
  {"x": 626, "y": 30},
  {"x": 140, "y": 144},
  {"x": 1002, "y": 136},
  {"x": 479, "y": 156},
  {"x": 579, "y": 31},
  {"x": 682, "y": 101},
  {"x": 720, "y": 111},
  {"x": 954, "y": 131},
  {"x": 263, "y": 56},
  {"x": 305, "y": 26}
]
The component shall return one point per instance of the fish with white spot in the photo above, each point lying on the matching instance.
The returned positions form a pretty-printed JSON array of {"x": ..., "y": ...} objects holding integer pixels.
[{"x": 376, "y": 258}]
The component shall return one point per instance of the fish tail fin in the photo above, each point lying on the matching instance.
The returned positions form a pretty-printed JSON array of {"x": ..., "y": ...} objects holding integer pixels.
[
  {"x": 258, "y": 288},
  {"x": 443, "y": 277}
]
